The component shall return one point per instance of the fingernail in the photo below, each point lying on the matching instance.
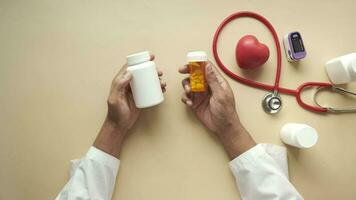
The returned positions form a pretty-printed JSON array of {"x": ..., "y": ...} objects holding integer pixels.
[
  {"x": 126, "y": 75},
  {"x": 209, "y": 68},
  {"x": 187, "y": 88},
  {"x": 189, "y": 103}
]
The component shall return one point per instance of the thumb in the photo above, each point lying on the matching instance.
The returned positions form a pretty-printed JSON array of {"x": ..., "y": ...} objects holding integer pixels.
[
  {"x": 124, "y": 81},
  {"x": 212, "y": 78}
]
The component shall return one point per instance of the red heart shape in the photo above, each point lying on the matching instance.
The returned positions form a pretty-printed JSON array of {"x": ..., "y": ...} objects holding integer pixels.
[{"x": 250, "y": 53}]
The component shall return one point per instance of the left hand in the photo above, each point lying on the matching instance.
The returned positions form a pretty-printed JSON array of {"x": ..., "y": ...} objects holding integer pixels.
[{"x": 216, "y": 110}]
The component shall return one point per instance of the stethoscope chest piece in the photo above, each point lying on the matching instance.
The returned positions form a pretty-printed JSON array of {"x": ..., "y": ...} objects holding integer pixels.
[{"x": 271, "y": 103}]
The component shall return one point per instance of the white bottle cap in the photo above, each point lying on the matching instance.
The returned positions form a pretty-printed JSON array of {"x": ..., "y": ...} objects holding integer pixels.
[
  {"x": 137, "y": 58},
  {"x": 299, "y": 135},
  {"x": 197, "y": 56},
  {"x": 306, "y": 137}
]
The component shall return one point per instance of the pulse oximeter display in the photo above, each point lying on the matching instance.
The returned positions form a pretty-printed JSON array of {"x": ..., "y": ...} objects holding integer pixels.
[
  {"x": 297, "y": 43},
  {"x": 294, "y": 47}
]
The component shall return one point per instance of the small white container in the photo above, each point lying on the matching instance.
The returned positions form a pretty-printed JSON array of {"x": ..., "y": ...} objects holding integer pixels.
[
  {"x": 145, "y": 84},
  {"x": 299, "y": 135},
  {"x": 342, "y": 69}
]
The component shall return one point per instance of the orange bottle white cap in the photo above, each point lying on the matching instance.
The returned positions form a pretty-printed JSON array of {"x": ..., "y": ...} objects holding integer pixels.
[{"x": 197, "y": 56}]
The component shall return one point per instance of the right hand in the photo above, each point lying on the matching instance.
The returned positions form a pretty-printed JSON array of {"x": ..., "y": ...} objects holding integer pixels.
[
  {"x": 216, "y": 110},
  {"x": 122, "y": 113}
]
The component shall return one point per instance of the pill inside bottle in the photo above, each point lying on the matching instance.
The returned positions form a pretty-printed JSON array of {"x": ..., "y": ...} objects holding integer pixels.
[{"x": 197, "y": 61}]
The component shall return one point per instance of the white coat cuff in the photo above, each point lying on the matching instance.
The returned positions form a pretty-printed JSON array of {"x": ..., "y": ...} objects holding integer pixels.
[
  {"x": 248, "y": 158},
  {"x": 256, "y": 154},
  {"x": 104, "y": 158}
]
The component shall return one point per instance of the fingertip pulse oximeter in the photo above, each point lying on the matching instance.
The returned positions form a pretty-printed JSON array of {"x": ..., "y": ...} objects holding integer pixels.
[{"x": 294, "y": 47}]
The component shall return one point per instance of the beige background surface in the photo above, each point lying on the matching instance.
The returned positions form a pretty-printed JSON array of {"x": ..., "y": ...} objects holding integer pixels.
[{"x": 57, "y": 59}]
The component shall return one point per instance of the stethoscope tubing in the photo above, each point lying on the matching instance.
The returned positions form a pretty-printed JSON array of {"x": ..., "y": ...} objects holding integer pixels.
[
  {"x": 278, "y": 48},
  {"x": 276, "y": 88}
]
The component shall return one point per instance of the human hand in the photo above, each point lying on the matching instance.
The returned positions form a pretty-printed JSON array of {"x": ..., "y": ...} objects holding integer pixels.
[
  {"x": 216, "y": 110},
  {"x": 122, "y": 112}
]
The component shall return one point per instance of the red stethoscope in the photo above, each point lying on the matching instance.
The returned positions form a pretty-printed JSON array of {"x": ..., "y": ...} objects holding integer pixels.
[{"x": 272, "y": 102}]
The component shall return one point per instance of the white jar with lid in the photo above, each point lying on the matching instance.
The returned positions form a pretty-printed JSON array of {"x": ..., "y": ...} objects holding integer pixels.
[
  {"x": 145, "y": 83},
  {"x": 299, "y": 135},
  {"x": 342, "y": 69}
]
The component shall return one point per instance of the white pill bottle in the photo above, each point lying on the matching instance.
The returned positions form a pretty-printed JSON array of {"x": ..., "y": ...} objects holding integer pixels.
[
  {"x": 342, "y": 69},
  {"x": 299, "y": 135},
  {"x": 145, "y": 83}
]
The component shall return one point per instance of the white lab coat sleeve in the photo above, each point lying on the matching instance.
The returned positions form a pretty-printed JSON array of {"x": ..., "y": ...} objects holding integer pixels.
[
  {"x": 261, "y": 173},
  {"x": 92, "y": 177}
]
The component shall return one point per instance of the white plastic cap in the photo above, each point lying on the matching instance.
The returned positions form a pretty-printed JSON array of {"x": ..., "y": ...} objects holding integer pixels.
[
  {"x": 197, "y": 56},
  {"x": 137, "y": 58},
  {"x": 306, "y": 137}
]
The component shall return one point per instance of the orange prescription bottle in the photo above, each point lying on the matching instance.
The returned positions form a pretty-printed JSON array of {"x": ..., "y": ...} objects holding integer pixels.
[{"x": 197, "y": 61}]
